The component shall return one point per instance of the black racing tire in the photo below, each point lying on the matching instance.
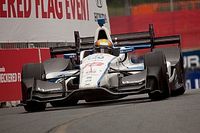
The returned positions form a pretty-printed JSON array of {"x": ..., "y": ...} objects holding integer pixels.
[
  {"x": 33, "y": 106},
  {"x": 179, "y": 91},
  {"x": 158, "y": 82},
  {"x": 181, "y": 77},
  {"x": 64, "y": 103},
  {"x": 33, "y": 70},
  {"x": 154, "y": 94}
]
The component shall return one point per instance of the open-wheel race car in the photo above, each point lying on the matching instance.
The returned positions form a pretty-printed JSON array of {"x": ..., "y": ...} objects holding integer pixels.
[{"x": 101, "y": 68}]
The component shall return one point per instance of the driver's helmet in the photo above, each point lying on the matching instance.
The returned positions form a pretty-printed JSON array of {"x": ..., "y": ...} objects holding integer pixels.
[{"x": 103, "y": 46}]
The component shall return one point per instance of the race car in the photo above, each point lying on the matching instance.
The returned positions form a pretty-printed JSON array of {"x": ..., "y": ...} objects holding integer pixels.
[{"x": 101, "y": 68}]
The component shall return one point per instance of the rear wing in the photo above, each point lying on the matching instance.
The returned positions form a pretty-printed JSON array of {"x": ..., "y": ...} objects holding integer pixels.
[
  {"x": 137, "y": 38},
  {"x": 129, "y": 39}
]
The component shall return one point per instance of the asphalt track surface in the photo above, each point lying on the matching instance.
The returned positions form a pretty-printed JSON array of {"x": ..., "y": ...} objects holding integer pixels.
[{"x": 135, "y": 114}]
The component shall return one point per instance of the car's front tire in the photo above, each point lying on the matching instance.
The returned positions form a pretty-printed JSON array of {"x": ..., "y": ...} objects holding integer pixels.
[{"x": 33, "y": 106}]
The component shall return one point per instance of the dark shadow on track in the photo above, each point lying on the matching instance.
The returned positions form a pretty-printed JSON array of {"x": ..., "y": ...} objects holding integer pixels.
[
  {"x": 102, "y": 103},
  {"x": 126, "y": 100},
  {"x": 98, "y": 103}
]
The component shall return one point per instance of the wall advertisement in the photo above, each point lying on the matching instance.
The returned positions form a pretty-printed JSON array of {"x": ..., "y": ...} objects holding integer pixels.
[
  {"x": 192, "y": 69},
  {"x": 49, "y": 20}
]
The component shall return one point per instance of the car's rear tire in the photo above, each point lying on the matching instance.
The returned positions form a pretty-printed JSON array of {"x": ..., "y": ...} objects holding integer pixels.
[
  {"x": 179, "y": 91},
  {"x": 154, "y": 94},
  {"x": 181, "y": 77},
  {"x": 157, "y": 77},
  {"x": 33, "y": 106}
]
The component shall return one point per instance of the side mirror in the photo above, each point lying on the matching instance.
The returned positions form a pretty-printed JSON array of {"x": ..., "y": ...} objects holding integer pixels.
[{"x": 116, "y": 51}]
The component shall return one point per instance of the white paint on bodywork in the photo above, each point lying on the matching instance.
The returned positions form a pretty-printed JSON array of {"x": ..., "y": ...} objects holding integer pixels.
[
  {"x": 61, "y": 74},
  {"x": 66, "y": 82},
  {"x": 169, "y": 68},
  {"x": 93, "y": 68},
  {"x": 117, "y": 64}
]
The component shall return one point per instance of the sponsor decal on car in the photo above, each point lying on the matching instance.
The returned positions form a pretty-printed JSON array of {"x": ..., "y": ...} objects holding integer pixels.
[{"x": 92, "y": 65}]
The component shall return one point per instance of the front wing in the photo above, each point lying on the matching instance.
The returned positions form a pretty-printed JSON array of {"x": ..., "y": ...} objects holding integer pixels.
[{"x": 44, "y": 91}]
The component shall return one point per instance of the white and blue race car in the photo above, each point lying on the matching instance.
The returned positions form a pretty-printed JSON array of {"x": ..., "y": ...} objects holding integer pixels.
[{"x": 105, "y": 71}]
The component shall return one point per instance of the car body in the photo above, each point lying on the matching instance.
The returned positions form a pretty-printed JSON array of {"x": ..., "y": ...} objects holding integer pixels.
[{"x": 85, "y": 74}]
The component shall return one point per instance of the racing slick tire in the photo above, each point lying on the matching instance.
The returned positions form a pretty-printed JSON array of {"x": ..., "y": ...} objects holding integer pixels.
[
  {"x": 32, "y": 71},
  {"x": 157, "y": 77},
  {"x": 179, "y": 91},
  {"x": 174, "y": 56},
  {"x": 33, "y": 106},
  {"x": 181, "y": 75}
]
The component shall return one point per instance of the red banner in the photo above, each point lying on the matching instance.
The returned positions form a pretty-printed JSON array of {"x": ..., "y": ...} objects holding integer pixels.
[
  {"x": 186, "y": 23},
  {"x": 11, "y": 62}
]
